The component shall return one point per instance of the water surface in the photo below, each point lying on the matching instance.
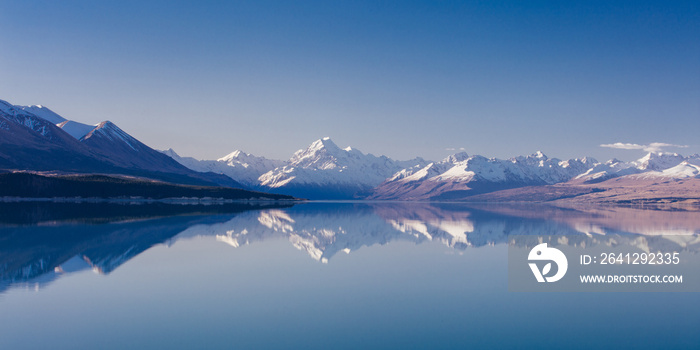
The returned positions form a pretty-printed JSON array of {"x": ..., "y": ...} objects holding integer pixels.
[{"x": 317, "y": 275}]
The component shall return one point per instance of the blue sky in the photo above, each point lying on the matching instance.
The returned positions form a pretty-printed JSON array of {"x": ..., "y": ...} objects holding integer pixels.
[{"x": 400, "y": 78}]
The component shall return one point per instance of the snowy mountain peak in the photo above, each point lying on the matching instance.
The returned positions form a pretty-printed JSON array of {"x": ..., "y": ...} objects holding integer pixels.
[
  {"x": 683, "y": 170},
  {"x": 240, "y": 158},
  {"x": 536, "y": 159},
  {"x": 659, "y": 161},
  {"x": 244, "y": 167},
  {"x": 457, "y": 157},
  {"x": 323, "y": 143},
  {"x": 584, "y": 163},
  {"x": 237, "y": 154},
  {"x": 44, "y": 113},
  {"x": 112, "y": 132},
  {"x": 104, "y": 128},
  {"x": 347, "y": 171},
  {"x": 538, "y": 155},
  {"x": 658, "y": 155},
  {"x": 75, "y": 129},
  {"x": 589, "y": 160},
  {"x": 320, "y": 151},
  {"x": 457, "y": 175},
  {"x": 107, "y": 129}
]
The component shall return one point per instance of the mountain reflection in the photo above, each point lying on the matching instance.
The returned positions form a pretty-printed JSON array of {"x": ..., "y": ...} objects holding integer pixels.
[{"x": 43, "y": 242}]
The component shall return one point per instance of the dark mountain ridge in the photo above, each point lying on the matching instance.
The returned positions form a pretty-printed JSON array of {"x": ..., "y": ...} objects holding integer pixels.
[{"x": 28, "y": 142}]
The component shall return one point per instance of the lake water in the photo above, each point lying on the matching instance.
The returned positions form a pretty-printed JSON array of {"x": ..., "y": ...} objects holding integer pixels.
[{"x": 316, "y": 276}]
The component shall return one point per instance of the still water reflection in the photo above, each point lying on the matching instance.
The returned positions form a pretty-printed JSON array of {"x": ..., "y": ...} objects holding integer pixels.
[{"x": 319, "y": 275}]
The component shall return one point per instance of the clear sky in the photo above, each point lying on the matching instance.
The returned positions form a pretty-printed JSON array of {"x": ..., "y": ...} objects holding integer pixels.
[{"x": 400, "y": 78}]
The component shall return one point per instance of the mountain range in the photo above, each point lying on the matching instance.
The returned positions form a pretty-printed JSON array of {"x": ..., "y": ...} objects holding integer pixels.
[
  {"x": 37, "y": 139},
  {"x": 321, "y": 171},
  {"x": 45, "y": 155},
  {"x": 34, "y": 138},
  {"x": 325, "y": 171}
]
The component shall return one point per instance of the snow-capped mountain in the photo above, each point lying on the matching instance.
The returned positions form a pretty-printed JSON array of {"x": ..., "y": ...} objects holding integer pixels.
[
  {"x": 321, "y": 171},
  {"x": 653, "y": 164},
  {"x": 113, "y": 143},
  {"x": 668, "y": 166},
  {"x": 616, "y": 182},
  {"x": 325, "y": 171},
  {"x": 604, "y": 171},
  {"x": 29, "y": 142},
  {"x": 659, "y": 161},
  {"x": 42, "y": 112},
  {"x": 461, "y": 175},
  {"x": 244, "y": 167},
  {"x": 38, "y": 139},
  {"x": 681, "y": 171}
]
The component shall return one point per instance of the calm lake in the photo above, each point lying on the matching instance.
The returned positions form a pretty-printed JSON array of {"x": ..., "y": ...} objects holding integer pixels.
[{"x": 355, "y": 275}]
